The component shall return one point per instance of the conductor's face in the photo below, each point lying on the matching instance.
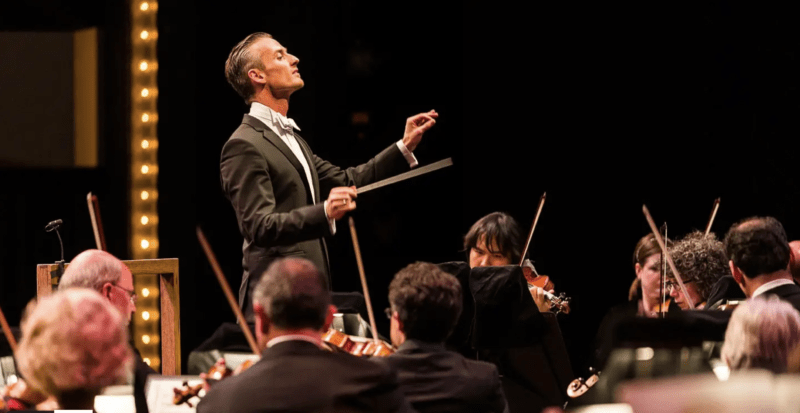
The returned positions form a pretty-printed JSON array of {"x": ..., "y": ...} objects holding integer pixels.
[{"x": 280, "y": 74}]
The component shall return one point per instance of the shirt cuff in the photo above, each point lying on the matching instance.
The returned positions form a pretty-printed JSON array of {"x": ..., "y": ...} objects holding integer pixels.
[
  {"x": 410, "y": 158},
  {"x": 331, "y": 222}
]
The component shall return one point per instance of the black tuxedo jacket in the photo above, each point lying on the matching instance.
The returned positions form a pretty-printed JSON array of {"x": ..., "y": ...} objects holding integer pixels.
[
  {"x": 271, "y": 197},
  {"x": 787, "y": 292},
  {"x": 297, "y": 376},
  {"x": 436, "y": 380}
]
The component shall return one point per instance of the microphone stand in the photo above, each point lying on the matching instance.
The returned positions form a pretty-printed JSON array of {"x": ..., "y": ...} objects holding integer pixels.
[{"x": 55, "y": 275}]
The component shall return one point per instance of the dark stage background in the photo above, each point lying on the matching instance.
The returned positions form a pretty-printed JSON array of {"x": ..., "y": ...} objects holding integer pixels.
[{"x": 604, "y": 106}]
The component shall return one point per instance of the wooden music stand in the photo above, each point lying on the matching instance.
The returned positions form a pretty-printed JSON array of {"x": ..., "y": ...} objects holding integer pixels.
[{"x": 167, "y": 271}]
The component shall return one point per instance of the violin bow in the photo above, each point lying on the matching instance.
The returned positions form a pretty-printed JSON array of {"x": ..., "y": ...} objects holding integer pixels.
[
  {"x": 713, "y": 215},
  {"x": 666, "y": 254},
  {"x": 363, "y": 281},
  {"x": 97, "y": 223},
  {"x": 227, "y": 289},
  {"x": 12, "y": 342},
  {"x": 533, "y": 227},
  {"x": 662, "y": 310}
]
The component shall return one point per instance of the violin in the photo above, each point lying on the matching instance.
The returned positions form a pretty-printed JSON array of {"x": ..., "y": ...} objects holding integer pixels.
[
  {"x": 580, "y": 385},
  {"x": 558, "y": 304},
  {"x": 217, "y": 372},
  {"x": 357, "y": 346}
]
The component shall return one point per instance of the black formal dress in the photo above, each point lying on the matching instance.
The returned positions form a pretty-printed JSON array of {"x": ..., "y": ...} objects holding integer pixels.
[
  {"x": 436, "y": 380},
  {"x": 271, "y": 196},
  {"x": 298, "y": 376}
]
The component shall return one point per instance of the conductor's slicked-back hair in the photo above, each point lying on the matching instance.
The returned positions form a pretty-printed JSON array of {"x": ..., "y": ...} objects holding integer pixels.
[
  {"x": 294, "y": 294},
  {"x": 240, "y": 60},
  {"x": 501, "y": 228}
]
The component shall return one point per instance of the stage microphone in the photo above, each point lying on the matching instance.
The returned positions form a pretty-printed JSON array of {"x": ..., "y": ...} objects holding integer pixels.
[
  {"x": 53, "y": 225},
  {"x": 58, "y": 272}
]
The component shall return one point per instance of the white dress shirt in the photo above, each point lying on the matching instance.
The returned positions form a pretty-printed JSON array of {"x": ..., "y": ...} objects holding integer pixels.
[
  {"x": 284, "y": 128},
  {"x": 770, "y": 285}
]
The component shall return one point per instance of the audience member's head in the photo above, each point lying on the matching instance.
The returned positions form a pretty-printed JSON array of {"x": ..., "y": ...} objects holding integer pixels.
[
  {"x": 291, "y": 296},
  {"x": 74, "y": 344},
  {"x": 758, "y": 250},
  {"x": 700, "y": 260},
  {"x": 425, "y": 303},
  {"x": 762, "y": 333},
  {"x": 104, "y": 273}
]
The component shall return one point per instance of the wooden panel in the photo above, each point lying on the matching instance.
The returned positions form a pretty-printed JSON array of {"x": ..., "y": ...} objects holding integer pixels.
[{"x": 167, "y": 270}]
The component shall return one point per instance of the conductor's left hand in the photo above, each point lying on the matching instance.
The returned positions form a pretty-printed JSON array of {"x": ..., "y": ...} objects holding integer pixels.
[{"x": 416, "y": 127}]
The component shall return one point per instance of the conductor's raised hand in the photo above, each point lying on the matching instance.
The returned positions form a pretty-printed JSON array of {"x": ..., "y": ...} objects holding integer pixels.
[
  {"x": 341, "y": 200},
  {"x": 416, "y": 127}
]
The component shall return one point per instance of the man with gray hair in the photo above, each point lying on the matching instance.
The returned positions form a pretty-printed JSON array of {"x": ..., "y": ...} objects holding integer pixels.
[
  {"x": 104, "y": 273},
  {"x": 292, "y": 308},
  {"x": 761, "y": 334}
]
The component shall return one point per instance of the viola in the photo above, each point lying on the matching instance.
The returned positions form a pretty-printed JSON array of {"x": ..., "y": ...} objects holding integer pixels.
[{"x": 357, "y": 346}]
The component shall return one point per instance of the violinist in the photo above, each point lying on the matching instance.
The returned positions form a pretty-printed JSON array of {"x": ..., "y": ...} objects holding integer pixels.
[
  {"x": 425, "y": 305},
  {"x": 701, "y": 261},
  {"x": 497, "y": 240},
  {"x": 292, "y": 307},
  {"x": 759, "y": 255}
]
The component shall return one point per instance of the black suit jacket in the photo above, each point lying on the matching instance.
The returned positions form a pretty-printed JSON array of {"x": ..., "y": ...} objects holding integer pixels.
[
  {"x": 436, "y": 380},
  {"x": 297, "y": 376},
  {"x": 271, "y": 197},
  {"x": 787, "y": 292}
]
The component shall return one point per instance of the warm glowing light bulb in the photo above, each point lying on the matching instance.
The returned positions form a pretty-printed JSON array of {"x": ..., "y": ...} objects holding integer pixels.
[
  {"x": 145, "y": 220},
  {"x": 146, "y": 361},
  {"x": 145, "y": 92},
  {"x": 145, "y": 169},
  {"x": 146, "y": 339},
  {"x": 144, "y": 34},
  {"x": 145, "y": 244},
  {"x": 145, "y": 144},
  {"x": 144, "y": 6},
  {"x": 143, "y": 65},
  {"x": 145, "y": 315},
  {"x": 145, "y": 292},
  {"x": 145, "y": 117},
  {"x": 145, "y": 195}
]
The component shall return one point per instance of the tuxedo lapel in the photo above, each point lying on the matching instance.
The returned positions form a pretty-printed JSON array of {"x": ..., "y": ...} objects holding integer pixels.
[
  {"x": 276, "y": 141},
  {"x": 307, "y": 152}
]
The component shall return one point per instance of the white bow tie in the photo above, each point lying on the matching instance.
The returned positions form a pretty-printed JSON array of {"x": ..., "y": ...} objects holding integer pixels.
[{"x": 286, "y": 124}]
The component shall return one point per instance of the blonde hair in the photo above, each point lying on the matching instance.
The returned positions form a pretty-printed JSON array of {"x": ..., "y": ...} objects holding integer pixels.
[
  {"x": 761, "y": 334},
  {"x": 74, "y": 343}
]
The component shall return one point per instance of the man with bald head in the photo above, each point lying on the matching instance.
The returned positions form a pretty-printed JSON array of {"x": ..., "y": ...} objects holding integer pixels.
[
  {"x": 104, "y": 273},
  {"x": 275, "y": 183},
  {"x": 295, "y": 373}
]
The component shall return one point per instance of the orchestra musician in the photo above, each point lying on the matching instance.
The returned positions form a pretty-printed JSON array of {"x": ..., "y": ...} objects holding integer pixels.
[
  {"x": 106, "y": 274},
  {"x": 74, "y": 344},
  {"x": 759, "y": 255},
  {"x": 761, "y": 334},
  {"x": 701, "y": 261},
  {"x": 425, "y": 305},
  {"x": 274, "y": 181},
  {"x": 496, "y": 240},
  {"x": 292, "y": 307}
]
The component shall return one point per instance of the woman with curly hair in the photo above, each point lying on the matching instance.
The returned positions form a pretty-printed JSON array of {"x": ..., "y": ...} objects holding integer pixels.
[
  {"x": 701, "y": 261},
  {"x": 74, "y": 344}
]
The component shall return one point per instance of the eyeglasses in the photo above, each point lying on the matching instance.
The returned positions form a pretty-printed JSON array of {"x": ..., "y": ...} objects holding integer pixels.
[
  {"x": 670, "y": 285},
  {"x": 131, "y": 293},
  {"x": 388, "y": 311}
]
